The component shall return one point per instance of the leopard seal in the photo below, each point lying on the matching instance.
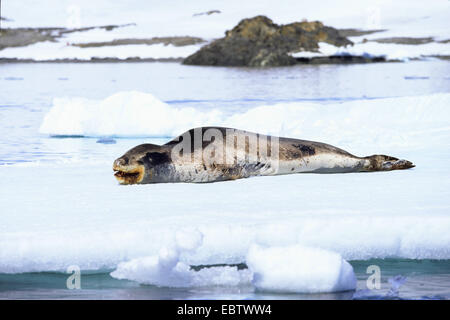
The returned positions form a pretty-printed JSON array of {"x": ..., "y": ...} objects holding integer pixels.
[{"x": 210, "y": 154}]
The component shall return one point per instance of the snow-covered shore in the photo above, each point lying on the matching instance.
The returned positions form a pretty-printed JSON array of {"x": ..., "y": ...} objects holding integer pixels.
[{"x": 146, "y": 20}]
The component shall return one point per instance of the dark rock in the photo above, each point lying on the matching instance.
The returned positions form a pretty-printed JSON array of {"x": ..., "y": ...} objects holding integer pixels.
[
  {"x": 175, "y": 41},
  {"x": 20, "y": 37},
  {"x": 208, "y": 13},
  {"x": 404, "y": 40},
  {"x": 357, "y": 32},
  {"x": 25, "y": 36},
  {"x": 259, "y": 42},
  {"x": 342, "y": 59}
]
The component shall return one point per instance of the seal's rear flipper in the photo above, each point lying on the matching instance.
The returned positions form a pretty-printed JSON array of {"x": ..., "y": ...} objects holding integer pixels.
[
  {"x": 397, "y": 165},
  {"x": 381, "y": 162}
]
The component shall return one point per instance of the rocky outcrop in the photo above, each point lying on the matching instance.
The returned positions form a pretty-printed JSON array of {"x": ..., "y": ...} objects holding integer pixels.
[
  {"x": 260, "y": 42},
  {"x": 21, "y": 37}
]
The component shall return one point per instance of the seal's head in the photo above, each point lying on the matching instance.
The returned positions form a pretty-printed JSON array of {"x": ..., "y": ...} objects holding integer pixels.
[{"x": 138, "y": 164}]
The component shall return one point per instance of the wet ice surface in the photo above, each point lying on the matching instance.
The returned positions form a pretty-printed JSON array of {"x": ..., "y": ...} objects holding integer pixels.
[{"x": 61, "y": 205}]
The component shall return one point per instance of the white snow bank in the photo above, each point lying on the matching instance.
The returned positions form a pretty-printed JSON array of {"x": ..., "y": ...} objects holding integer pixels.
[
  {"x": 373, "y": 49},
  {"x": 406, "y": 122},
  {"x": 278, "y": 269},
  {"x": 166, "y": 269},
  {"x": 299, "y": 269},
  {"x": 122, "y": 114},
  {"x": 47, "y": 50}
]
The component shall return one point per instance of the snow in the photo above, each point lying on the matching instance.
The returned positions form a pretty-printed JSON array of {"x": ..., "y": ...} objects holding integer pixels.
[
  {"x": 295, "y": 269},
  {"x": 412, "y": 121},
  {"x": 56, "y": 51},
  {"x": 56, "y": 215},
  {"x": 166, "y": 269},
  {"x": 176, "y": 18},
  {"x": 299, "y": 269},
  {"x": 122, "y": 114}
]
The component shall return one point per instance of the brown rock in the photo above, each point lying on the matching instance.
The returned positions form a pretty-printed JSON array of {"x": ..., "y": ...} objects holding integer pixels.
[{"x": 260, "y": 42}]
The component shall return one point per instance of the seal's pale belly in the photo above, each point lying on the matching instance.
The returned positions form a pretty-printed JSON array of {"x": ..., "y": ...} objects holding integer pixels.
[{"x": 323, "y": 163}]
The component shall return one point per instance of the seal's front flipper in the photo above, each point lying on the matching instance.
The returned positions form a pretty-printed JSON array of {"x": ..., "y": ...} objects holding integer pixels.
[{"x": 397, "y": 165}]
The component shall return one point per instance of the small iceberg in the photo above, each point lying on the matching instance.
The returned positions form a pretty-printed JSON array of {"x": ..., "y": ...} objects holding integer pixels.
[{"x": 299, "y": 269}]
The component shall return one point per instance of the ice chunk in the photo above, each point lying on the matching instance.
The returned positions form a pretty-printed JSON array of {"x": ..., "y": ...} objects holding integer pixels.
[
  {"x": 154, "y": 270},
  {"x": 299, "y": 269},
  {"x": 278, "y": 269},
  {"x": 395, "y": 282},
  {"x": 167, "y": 270},
  {"x": 122, "y": 114}
]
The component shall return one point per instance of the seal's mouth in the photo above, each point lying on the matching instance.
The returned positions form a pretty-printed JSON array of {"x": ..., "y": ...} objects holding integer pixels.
[{"x": 129, "y": 174}]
